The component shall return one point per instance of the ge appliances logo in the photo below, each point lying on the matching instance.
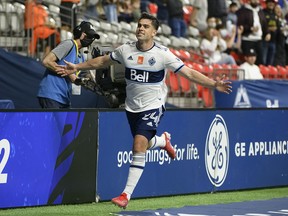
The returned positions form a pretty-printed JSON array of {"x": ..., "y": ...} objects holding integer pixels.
[{"x": 217, "y": 151}]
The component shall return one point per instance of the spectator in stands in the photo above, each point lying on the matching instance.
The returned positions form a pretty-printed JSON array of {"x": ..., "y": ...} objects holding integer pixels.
[
  {"x": 68, "y": 14},
  {"x": 234, "y": 43},
  {"x": 125, "y": 12},
  {"x": 213, "y": 22},
  {"x": 162, "y": 12},
  {"x": 213, "y": 47},
  {"x": 253, "y": 20},
  {"x": 282, "y": 33},
  {"x": 144, "y": 5},
  {"x": 232, "y": 16},
  {"x": 218, "y": 9},
  {"x": 91, "y": 8},
  {"x": 136, "y": 9},
  {"x": 251, "y": 70},
  {"x": 146, "y": 92},
  {"x": 269, "y": 47},
  {"x": 110, "y": 8},
  {"x": 55, "y": 91},
  {"x": 231, "y": 23},
  {"x": 38, "y": 27},
  {"x": 176, "y": 18},
  {"x": 199, "y": 15}
]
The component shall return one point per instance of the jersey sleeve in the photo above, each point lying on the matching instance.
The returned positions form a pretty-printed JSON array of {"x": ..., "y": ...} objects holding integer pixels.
[
  {"x": 117, "y": 54},
  {"x": 172, "y": 62}
]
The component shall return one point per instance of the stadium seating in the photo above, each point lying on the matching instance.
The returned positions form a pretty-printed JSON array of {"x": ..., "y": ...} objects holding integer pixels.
[
  {"x": 153, "y": 9},
  {"x": 173, "y": 83},
  {"x": 208, "y": 70},
  {"x": 264, "y": 71},
  {"x": 184, "y": 55},
  {"x": 282, "y": 72},
  {"x": 273, "y": 72},
  {"x": 113, "y": 34},
  {"x": 166, "y": 30},
  {"x": 206, "y": 95}
]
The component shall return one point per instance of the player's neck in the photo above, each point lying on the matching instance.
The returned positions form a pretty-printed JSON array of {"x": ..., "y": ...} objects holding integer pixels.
[{"x": 144, "y": 46}]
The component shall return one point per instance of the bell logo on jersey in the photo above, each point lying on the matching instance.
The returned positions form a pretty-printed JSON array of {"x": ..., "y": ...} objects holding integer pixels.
[{"x": 139, "y": 77}]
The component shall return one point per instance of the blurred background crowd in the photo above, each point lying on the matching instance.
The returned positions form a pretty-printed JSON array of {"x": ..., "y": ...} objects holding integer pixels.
[
  {"x": 247, "y": 38},
  {"x": 221, "y": 30}
]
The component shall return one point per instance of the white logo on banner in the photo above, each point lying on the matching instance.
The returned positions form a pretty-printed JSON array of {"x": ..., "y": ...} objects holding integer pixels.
[
  {"x": 217, "y": 151},
  {"x": 242, "y": 99},
  {"x": 4, "y": 154}
]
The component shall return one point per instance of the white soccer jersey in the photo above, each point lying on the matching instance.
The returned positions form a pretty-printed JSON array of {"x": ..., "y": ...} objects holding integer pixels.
[{"x": 145, "y": 74}]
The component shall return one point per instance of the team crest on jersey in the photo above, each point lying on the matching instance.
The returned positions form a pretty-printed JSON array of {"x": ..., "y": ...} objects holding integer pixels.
[
  {"x": 140, "y": 60},
  {"x": 152, "y": 61}
]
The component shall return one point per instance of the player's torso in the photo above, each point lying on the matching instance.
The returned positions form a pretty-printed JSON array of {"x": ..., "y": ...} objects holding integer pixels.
[{"x": 144, "y": 74}]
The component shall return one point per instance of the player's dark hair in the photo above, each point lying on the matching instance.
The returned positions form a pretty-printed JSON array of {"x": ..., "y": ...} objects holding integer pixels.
[{"x": 155, "y": 21}]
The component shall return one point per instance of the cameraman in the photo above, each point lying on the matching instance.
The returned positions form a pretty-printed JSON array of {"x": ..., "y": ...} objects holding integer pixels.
[{"x": 55, "y": 91}]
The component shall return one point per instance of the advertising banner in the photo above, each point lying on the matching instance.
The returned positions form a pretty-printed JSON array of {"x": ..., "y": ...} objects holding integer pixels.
[
  {"x": 47, "y": 158},
  {"x": 255, "y": 94},
  {"x": 216, "y": 150}
]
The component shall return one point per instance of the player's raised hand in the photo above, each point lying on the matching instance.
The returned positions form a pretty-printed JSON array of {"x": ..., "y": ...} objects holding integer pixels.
[
  {"x": 67, "y": 69},
  {"x": 223, "y": 85}
]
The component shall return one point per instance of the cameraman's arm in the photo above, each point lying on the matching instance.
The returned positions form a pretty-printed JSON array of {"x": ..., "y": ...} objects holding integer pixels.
[
  {"x": 72, "y": 77},
  {"x": 50, "y": 61}
]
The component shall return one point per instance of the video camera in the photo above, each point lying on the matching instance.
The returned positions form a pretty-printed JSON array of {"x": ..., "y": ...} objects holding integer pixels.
[{"x": 108, "y": 82}]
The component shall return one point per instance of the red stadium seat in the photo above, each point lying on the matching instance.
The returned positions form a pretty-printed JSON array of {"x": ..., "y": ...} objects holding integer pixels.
[
  {"x": 217, "y": 66},
  {"x": 197, "y": 57},
  {"x": 219, "y": 70},
  {"x": 235, "y": 66},
  {"x": 208, "y": 70},
  {"x": 184, "y": 55},
  {"x": 188, "y": 64},
  {"x": 198, "y": 67},
  {"x": 153, "y": 9},
  {"x": 186, "y": 86},
  {"x": 235, "y": 69},
  {"x": 264, "y": 71},
  {"x": 187, "y": 9},
  {"x": 175, "y": 52},
  {"x": 206, "y": 95},
  {"x": 282, "y": 72},
  {"x": 174, "y": 83},
  {"x": 273, "y": 72}
]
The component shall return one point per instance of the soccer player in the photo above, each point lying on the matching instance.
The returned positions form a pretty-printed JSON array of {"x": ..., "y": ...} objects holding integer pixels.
[{"x": 145, "y": 70}]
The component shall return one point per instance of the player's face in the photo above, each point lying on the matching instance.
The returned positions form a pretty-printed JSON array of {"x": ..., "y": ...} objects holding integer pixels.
[{"x": 145, "y": 30}]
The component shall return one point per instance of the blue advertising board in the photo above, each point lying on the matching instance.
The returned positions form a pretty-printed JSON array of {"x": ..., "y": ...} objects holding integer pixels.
[
  {"x": 254, "y": 94},
  {"x": 217, "y": 150},
  {"x": 38, "y": 153}
]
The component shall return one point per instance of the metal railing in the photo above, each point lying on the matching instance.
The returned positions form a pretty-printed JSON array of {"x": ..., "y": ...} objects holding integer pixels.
[{"x": 13, "y": 35}]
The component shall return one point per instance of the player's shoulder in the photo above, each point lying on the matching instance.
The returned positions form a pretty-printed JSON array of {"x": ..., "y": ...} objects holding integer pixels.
[
  {"x": 128, "y": 46},
  {"x": 130, "y": 43},
  {"x": 161, "y": 47}
]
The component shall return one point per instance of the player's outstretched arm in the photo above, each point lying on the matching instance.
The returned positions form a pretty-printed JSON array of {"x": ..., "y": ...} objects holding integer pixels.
[
  {"x": 96, "y": 63},
  {"x": 220, "y": 84}
]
